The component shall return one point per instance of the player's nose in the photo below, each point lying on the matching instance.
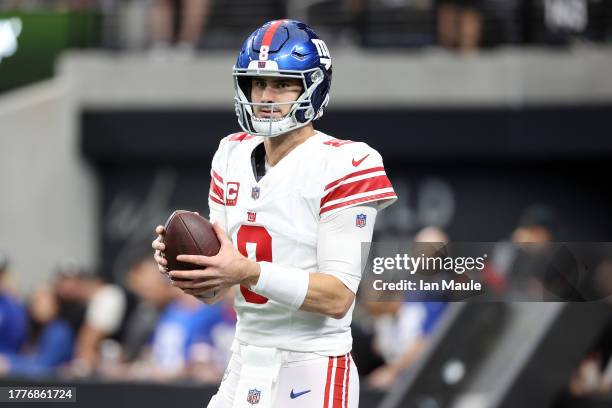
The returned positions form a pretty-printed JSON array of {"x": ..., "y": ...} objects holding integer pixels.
[{"x": 268, "y": 94}]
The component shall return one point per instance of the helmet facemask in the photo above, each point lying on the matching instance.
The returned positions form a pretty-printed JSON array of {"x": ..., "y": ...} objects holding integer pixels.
[{"x": 301, "y": 113}]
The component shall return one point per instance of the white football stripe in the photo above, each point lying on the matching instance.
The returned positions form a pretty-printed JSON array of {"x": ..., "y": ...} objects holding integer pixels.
[
  {"x": 212, "y": 193},
  {"x": 344, "y": 384},
  {"x": 218, "y": 183},
  {"x": 331, "y": 384}
]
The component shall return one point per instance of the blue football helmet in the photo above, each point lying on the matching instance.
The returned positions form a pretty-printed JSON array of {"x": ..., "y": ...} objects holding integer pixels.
[{"x": 283, "y": 48}]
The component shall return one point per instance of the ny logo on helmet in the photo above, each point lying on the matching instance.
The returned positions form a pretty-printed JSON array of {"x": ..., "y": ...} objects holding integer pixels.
[{"x": 323, "y": 52}]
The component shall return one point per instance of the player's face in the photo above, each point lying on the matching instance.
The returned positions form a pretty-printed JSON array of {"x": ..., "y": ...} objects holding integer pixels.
[{"x": 274, "y": 90}]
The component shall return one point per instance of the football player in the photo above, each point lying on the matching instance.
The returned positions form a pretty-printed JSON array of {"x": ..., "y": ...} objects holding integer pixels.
[{"x": 291, "y": 207}]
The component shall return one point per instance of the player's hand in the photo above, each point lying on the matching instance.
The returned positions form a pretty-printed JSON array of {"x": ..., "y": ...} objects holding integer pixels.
[
  {"x": 159, "y": 247},
  {"x": 229, "y": 267},
  {"x": 383, "y": 377}
]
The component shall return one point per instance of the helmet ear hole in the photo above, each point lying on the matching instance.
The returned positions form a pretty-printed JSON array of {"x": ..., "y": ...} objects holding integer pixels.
[{"x": 316, "y": 76}]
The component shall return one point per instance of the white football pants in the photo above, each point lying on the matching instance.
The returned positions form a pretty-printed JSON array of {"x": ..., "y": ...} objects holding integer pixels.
[{"x": 306, "y": 380}]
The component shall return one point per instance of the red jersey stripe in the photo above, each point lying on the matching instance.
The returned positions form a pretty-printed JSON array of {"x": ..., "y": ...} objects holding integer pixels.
[
  {"x": 375, "y": 197},
  {"x": 346, "y": 384},
  {"x": 216, "y": 175},
  {"x": 269, "y": 35},
  {"x": 330, "y": 365},
  {"x": 356, "y": 187},
  {"x": 239, "y": 137},
  {"x": 216, "y": 200},
  {"x": 355, "y": 174},
  {"x": 339, "y": 382},
  {"x": 214, "y": 188}
]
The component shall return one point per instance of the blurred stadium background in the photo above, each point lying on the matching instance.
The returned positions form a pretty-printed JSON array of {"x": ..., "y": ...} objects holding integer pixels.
[{"x": 495, "y": 121}]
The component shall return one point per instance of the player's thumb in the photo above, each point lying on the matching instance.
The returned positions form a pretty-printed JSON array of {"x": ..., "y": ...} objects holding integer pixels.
[{"x": 221, "y": 236}]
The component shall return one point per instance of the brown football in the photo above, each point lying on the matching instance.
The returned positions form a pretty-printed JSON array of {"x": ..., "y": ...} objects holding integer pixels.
[{"x": 190, "y": 234}]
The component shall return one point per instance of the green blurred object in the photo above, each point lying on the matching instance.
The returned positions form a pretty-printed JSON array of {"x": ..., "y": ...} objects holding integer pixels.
[{"x": 44, "y": 35}]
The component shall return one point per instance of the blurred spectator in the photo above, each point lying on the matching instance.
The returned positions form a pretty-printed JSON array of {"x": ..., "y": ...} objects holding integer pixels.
[
  {"x": 402, "y": 331},
  {"x": 594, "y": 373},
  {"x": 184, "y": 327},
  {"x": 210, "y": 356},
  {"x": 459, "y": 24},
  {"x": 50, "y": 342},
  {"x": 13, "y": 319},
  {"x": 154, "y": 294},
  {"x": 105, "y": 308},
  {"x": 183, "y": 342},
  {"x": 191, "y": 16},
  {"x": 104, "y": 312},
  {"x": 536, "y": 228},
  {"x": 529, "y": 266},
  {"x": 357, "y": 14},
  {"x": 431, "y": 235},
  {"x": 537, "y": 224},
  {"x": 548, "y": 271},
  {"x": 430, "y": 242},
  {"x": 394, "y": 333},
  {"x": 172, "y": 335},
  {"x": 66, "y": 286},
  {"x": 561, "y": 22}
]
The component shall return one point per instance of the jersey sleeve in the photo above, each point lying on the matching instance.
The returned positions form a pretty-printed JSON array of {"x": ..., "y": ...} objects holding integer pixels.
[
  {"x": 339, "y": 243},
  {"x": 216, "y": 194},
  {"x": 356, "y": 175}
]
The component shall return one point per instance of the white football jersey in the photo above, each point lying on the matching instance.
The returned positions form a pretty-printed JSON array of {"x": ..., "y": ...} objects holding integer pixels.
[{"x": 276, "y": 220}]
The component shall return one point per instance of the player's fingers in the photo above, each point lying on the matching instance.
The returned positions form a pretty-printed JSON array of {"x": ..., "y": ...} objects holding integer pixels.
[
  {"x": 197, "y": 274},
  {"x": 196, "y": 259},
  {"x": 197, "y": 284},
  {"x": 199, "y": 291},
  {"x": 160, "y": 259},
  {"x": 158, "y": 245},
  {"x": 160, "y": 230}
]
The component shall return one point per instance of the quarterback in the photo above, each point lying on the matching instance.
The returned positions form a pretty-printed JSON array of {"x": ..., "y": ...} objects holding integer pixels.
[{"x": 291, "y": 207}]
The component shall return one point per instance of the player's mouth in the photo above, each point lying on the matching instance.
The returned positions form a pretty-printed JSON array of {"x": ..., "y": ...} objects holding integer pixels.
[{"x": 269, "y": 113}]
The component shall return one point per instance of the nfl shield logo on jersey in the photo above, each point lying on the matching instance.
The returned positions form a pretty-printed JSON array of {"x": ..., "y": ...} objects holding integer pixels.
[
  {"x": 361, "y": 220},
  {"x": 255, "y": 193},
  {"x": 253, "y": 397}
]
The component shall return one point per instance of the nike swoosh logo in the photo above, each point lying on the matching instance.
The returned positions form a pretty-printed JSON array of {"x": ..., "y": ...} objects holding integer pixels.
[
  {"x": 294, "y": 395},
  {"x": 358, "y": 162}
]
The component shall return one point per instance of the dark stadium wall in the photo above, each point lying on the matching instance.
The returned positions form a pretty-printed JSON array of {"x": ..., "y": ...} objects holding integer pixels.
[{"x": 471, "y": 172}]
